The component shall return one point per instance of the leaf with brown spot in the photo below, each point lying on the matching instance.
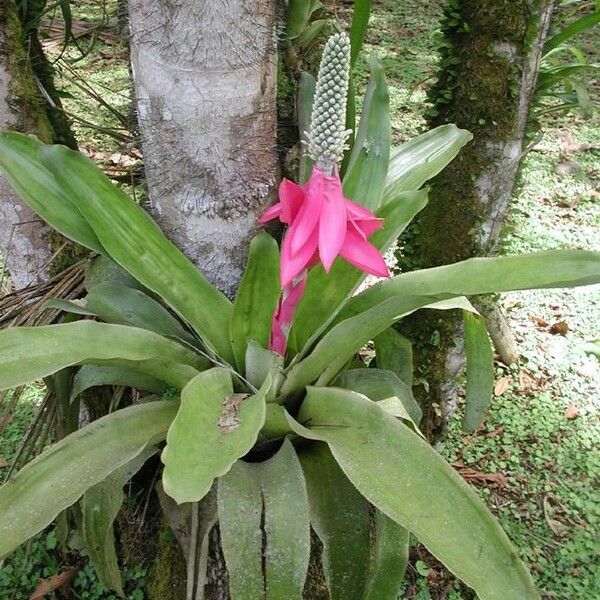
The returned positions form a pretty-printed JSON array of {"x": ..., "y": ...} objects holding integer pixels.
[
  {"x": 56, "y": 582},
  {"x": 3, "y": 462},
  {"x": 229, "y": 419}
]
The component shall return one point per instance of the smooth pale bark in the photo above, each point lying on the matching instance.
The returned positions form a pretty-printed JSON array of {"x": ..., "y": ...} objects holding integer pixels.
[
  {"x": 205, "y": 82},
  {"x": 23, "y": 236}
]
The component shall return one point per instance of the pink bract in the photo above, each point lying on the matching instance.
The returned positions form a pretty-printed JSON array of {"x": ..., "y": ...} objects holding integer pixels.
[{"x": 323, "y": 225}]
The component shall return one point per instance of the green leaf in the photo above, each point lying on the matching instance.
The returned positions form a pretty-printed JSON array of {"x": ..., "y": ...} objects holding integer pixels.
[
  {"x": 304, "y": 103},
  {"x": 30, "y": 353},
  {"x": 358, "y": 28},
  {"x": 240, "y": 505},
  {"x": 137, "y": 244},
  {"x": 260, "y": 362},
  {"x": 311, "y": 34},
  {"x": 95, "y": 375},
  {"x": 339, "y": 345},
  {"x": 213, "y": 428},
  {"x": 394, "y": 353},
  {"x": 379, "y": 385},
  {"x": 68, "y": 306},
  {"x": 257, "y": 298},
  {"x": 368, "y": 163},
  {"x": 592, "y": 347},
  {"x": 274, "y": 490},
  {"x": 64, "y": 471},
  {"x": 551, "y": 77},
  {"x": 298, "y": 14},
  {"x": 99, "y": 508},
  {"x": 102, "y": 270},
  {"x": 422, "y": 158},
  {"x": 36, "y": 186},
  {"x": 326, "y": 293},
  {"x": 480, "y": 371},
  {"x": 127, "y": 306},
  {"x": 340, "y": 517},
  {"x": 555, "y": 268},
  {"x": 392, "y": 545},
  {"x": 397, "y": 471},
  {"x": 582, "y": 24}
]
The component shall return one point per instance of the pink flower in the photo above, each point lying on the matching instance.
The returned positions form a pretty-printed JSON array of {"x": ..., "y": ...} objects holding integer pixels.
[{"x": 322, "y": 225}]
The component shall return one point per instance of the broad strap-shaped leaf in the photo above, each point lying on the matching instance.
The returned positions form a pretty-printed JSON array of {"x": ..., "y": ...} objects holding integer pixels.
[
  {"x": 69, "y": 306},
  {"x": 30, "y": 353},
  {"x": 405, "y": 478},
  {"x": 260, "y": 362},
  {"x": 99, "y": 508},
  {"x": 422, "y": 158},
  {"x": 358, "y": 28},
  {"x": 340, "y": 517},
  {"x": 379, "y": 385},
  {"x": 103, "y": 270},
  {"x": 326, "y": 292},
  {"x": 550, "y": 269},
  {"x": 340, "y": 344},
  {"x": 273, "y": 492},
  {"x": 298, "y": 14},
  {"x": 480, "y": 370},
  {"x": 127, "y": 306},
  {"x": 365, "y": 175},
  {"x": 256, "y": 299},
  {"x": 136, "y": 243},
  {"x": 90, "y": 376},
  {"x": 582, "y": 24},
  {"x": 64, "y": 471},
  {"x": 394, "y": 353},
  {"x": 240, "y": 505},
  {"x": 37, "y": 187},
  {"x": 390, "y": 558},
  {"x": 213, "y": 428},
  {"x": 304, "y": 103}
]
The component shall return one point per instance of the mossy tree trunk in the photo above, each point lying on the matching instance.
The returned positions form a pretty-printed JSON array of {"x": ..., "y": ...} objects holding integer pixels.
[
  {"x": 26, "y": 243},
  {"x": 490, "y": 62}
]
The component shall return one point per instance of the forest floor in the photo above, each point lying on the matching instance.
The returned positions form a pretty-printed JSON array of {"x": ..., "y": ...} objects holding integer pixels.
[{"x": 535, "y": 460}]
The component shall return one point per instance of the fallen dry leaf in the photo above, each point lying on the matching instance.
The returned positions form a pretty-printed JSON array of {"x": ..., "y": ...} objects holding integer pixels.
[
  {"x": 56, "y": 582},
  {"x": 539, "y": 321},
  {"x": 572, "y": 412},
  {"x": 3, "y": 462},
  {"x": 501, "y": 386},
  {"x": 528, "y": 383},
  {"x": 560, "y": 328},
  {"x": 474, "y": 476}
]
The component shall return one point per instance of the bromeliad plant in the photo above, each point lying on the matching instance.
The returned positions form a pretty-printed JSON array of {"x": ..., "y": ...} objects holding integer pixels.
[{"x": 303, "y": 436}]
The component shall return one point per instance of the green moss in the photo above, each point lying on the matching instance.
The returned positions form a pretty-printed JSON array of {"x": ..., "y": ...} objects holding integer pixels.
[
  {"x": 167, "y": 577},
  {"x": 24, "y": 92}
]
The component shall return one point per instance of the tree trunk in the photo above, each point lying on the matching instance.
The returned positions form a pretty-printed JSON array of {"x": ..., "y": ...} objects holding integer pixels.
[
  {"x": 24, "y": 239},
  {"x": 28, "y": 103},
  {"x": 490, "y": 63},
  {"x": 205, "y": 81}
]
